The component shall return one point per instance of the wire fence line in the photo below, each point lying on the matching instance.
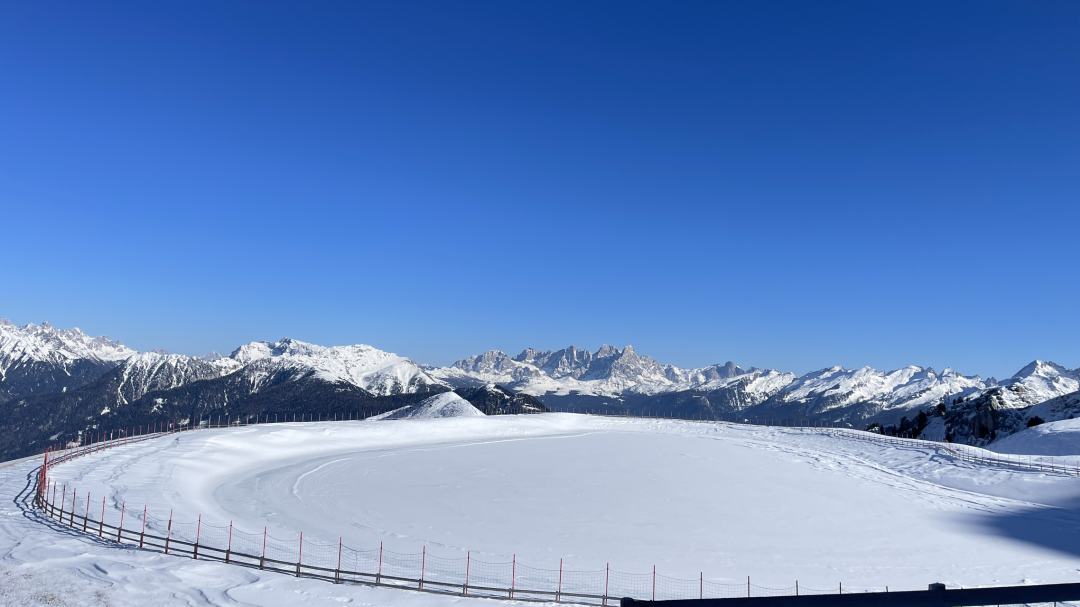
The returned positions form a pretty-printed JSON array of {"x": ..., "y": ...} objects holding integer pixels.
[{"x": 338, "y": 563}]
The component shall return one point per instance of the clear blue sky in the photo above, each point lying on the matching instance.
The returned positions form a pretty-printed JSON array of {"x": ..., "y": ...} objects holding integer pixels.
[{"x": 788, "y": 185}]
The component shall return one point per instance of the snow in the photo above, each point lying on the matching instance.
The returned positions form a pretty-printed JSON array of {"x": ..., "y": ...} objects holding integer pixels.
[
  {"x": 45, "y": 343},
  {"x": 778, "y": 504},
  {"x": 381, "y": 373},
  {"x": 149, "y": 371},
  {"x": 1060, "y": 438},
  {"x": 447, "y": 404},
  {"x": 1039, "y": 382}
]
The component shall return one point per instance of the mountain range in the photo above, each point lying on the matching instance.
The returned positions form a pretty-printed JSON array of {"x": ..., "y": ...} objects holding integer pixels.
[{"x": 62, "y": 384}]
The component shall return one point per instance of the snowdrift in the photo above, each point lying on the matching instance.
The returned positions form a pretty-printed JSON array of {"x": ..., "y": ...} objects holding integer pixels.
[
  {"x": 447, "y": 404},
  {"x": 1052, "y": 438}
]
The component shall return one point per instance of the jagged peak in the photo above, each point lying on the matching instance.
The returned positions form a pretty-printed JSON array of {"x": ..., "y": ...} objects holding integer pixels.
[
  {"x": 1037, "y": 366},
  {"x": 607, "y": 351}
]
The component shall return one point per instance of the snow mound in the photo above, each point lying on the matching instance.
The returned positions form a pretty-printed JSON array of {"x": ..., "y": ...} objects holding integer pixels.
[
  {"x": 1052, "y": 438},
  {"x": 447, "y": 404}
]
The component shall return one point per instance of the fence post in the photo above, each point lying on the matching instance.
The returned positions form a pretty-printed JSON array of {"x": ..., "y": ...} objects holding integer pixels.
[
  {"x": 747, "y": 586},
  {"x": 74, "y": 492},
  {"x": 468, "y": 562},
  {"x": 797, "y": 588},
  {"x": 198, "y": 533},
  {"x": 168, "y": 536},
  {"x": 337, "y": 572},
  {"x": 513, "y": 574},
  {"x": 101, "y": 523},
  {"x": 301, "y": 558},
  {"x": 701, "y": 585},
  {"x": 653, "y": 582},
  {"x": 607, "y": 578},
  {"x": 423, "y": 566},
  {"x": 228, "y": 551},
  {"x": 262, "y": 560},
  {"x": 120, "y": 529},
  {"x": 558, "y": 595},
  {"x": 63, "y": 501},
  {"x": 378, "y": 576},
  {"x": 142, "y": 534}
]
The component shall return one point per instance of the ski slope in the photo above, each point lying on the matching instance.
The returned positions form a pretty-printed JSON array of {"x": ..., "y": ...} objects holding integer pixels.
[{"x": 725, "y": 501}]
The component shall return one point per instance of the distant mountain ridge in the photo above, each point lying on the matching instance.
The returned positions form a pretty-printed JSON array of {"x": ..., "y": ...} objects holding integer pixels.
[
  {"x": 623, "y": 379},
  {"x": 40, "y": 359},
  {"x": 60, "y": 383}
]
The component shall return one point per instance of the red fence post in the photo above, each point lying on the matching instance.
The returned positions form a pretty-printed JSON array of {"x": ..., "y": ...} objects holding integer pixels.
[
  {"x": 101, "y": 523},
  {"x": 228, "y": 551},
  {"x": 468, "y": 562},
  {"x": 301, "y": 558},
  {"x": 168, "y": 536},
  {"x": 198, "y": 533},
  {"x": 378, "y": 577},
  {"x": 558, "y": 593},
  {"x": 120, "y": 529},
  {"x": 142, "y": 534},
  {"x": 74, "y": 492},
  {"x": 607, "y": 578}
]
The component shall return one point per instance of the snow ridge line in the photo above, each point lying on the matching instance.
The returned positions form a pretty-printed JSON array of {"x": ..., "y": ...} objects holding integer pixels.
[{"x": 418, "y": 572}]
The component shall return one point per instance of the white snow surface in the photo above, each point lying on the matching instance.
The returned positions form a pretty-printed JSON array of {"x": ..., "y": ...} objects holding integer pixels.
[
  {"x": 447, "y": 404},
  {"x": 777, "y": 504},
  {"x": 1060, "y": 438},
  {"x": 45, "y": 343}
]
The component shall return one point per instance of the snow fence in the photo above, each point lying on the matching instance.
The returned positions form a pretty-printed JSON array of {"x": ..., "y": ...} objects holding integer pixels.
[{"x": 338, "y": 563}]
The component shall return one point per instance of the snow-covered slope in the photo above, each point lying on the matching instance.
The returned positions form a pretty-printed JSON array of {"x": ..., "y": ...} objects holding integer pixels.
[
  {"x": 1052, "y": 438},
  {"x": 38, "y": 359},
  {"x": 446, "y": 404},
  {"x": 374, "y": 370},
  {"x": 809, "y": 506}
]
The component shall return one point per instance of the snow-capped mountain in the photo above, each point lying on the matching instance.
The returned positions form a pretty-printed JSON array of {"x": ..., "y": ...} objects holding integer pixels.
[
  {"x": 38, "y": 359},
  {"x": 258, "y": 365},
  {"x": 154, "y": 371},
  {"x": 573, "y": 378},
  {"x": 911, "y": 387},
  {"x": 1038, "y": 382},
  {"x": 380, "y": 373},
  {"x": 607, "y": 372}
]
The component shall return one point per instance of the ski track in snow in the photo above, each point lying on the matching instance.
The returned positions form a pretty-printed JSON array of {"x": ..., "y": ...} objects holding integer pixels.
[{"x": 778, "y": 504}]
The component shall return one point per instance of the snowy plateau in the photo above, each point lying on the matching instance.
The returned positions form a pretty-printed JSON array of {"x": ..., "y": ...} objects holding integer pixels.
[{"x": 710, "y": 499}]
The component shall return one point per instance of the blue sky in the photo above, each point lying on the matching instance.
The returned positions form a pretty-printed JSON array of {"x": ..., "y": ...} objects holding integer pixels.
[{"x": 789, "y": 185}]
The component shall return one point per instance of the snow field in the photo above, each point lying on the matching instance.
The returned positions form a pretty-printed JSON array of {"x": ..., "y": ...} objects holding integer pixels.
[{"x": 729, "y": 501}]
